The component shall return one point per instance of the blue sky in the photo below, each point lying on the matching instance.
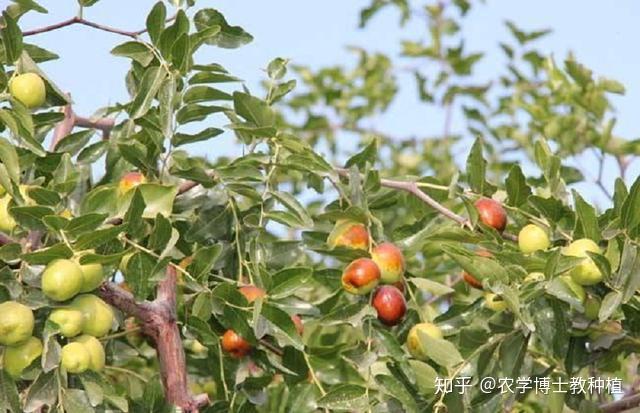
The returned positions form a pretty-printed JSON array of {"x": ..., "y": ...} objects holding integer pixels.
[{"x": 315, "y": 33}]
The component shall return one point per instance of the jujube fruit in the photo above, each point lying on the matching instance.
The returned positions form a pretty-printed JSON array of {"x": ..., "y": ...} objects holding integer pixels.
[
  {"x": 297, "y": 321},
  {"x": 390, "y": 261},
  {"x": 75, "y": 358},
  {"x": 92, "y": 274},
  {"x": 494, "y": 302},
  {"x": 533, "y": 238},
  {"x": 69, "y": 320},
  {"x": 98, "y": 315},
  {"x": 534, "y": 277},
  {"x": 251, "y": 292},
  {"x": 29, "y": 89},
  {"x": 349, "y": 234},
  {"x": 586, "y": 272},
  {"x": 492, "y": 213},
  {"x": 389, "y": 304},
  {"x": 129, "y": 181},
  {"x": 414, "y": 344},
  {"x": 19, "y": 357},
  {"x": 235, "y": 345},
  {"x": 7, "y": 223},
  {"x": 62, "y": 279},
  {"x": 95, "y": 350},
  {"x": 361, "y": 276},
  {"x": 16, "y": 323}
]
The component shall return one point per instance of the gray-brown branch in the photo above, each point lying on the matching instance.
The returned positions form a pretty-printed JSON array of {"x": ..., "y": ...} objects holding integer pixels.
[
  {"x": 85, "y": 22},
  {"x": 158, "y": 321},
  {"x": 621, "y": 405}
]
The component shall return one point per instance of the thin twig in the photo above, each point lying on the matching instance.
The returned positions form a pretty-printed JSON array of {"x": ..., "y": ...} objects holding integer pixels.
[{"x": 85, "y": 22}]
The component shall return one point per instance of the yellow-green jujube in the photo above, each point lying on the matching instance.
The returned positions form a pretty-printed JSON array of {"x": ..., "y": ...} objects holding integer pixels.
[
  {"x": 587, "y": 272},
  {"x": 534, "y": 277},
  {"x": 494, "y": 302},
  {"x": 61, "y": 280},
  {"x": 29, "y": 89},
  {"x": 17, "y": 358},
  {"x": 16, "y": 323},
  {"x": 98, "y": 315},
  {"x": 92, "y": 274},
  {"x": 414, "y": 344},
  {"x": 69, "y": 320},
  {"x": 7, "y": 223},
  {"x": 95, "y": 349},
  {"x": 533, "y": 238},
  {"x": 75, "y": 358}
]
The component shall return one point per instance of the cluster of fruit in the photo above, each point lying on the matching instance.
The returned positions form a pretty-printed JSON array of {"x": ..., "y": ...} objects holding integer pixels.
[
  {"x": 532, "y": 238},
  {"x": 363, "y": 275},
  {"x": 81, "y": 321}
]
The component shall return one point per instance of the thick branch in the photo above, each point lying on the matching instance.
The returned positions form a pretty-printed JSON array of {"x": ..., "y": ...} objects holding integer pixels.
[
  {"x": 72, "y": 120},
  {"x": 158, "y": 322},
  {"x": 79, "y": 20},
  {"x": 64, "y": 127},
  {"x": 621, "y": 405}
]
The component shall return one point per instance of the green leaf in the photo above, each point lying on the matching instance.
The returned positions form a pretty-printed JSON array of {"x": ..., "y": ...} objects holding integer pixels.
[
  {"x": 368, "y": 154},
  {"x": 516, "y": 185},
  {"x": 282, "y": 323},
  {"x": 195, "y": 113},
  {"x": 476, "y": 168},
  {"x": 439, "y": 350},
  {"x": 345, "y": 397},
  {"x": 277, "y": 68},
  {"x": 253, "y": 109},
  {"x": 630, "y": 211},
  {"x": 229, "y": 37},
  {"x": 196, "y": 94},
  {"x": 293, "y": 205},
  {"x": 158, "y": 198},
  {"x": 206, "y": 134},
  {"x": 8, "y": 394},
  {"x": 425, "y": 377},
  {"x": 149, "y": 85},
  {"x": 99, "y": 237},
  {"x": 9, "y": 158},
  {"x": 395, "y": 388},
  {"x": 587, "y": 222},
  {"x": 155, "y": 21},
  {"x": 74, "y": 142},
  {"x": 430, "y": 286},
  {"x": 45, "y": 255},
  {"x": 75, "y": 400},
  {"x": 134, "y": 50},
  {"x": 43, "y": 392},
  {"x": 204, "y": 260},
  {"x": 181, "y": 52},
  {"x": 11, "y": 38},
  {"x": 212, "y": 77},
  {"x": 285, "y": 282}
]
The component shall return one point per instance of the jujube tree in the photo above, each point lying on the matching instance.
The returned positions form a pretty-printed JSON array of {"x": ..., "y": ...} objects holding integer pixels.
[{"x": 306, "y": 275}]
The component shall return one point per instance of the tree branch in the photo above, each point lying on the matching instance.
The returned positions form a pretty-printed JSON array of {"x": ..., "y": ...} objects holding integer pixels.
[
  {"x": 80, "y": 20},
  {"x": 413, "y": 188},
  {"x": 621, "y": 405},
  {"x": 158, "y": 322}
]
